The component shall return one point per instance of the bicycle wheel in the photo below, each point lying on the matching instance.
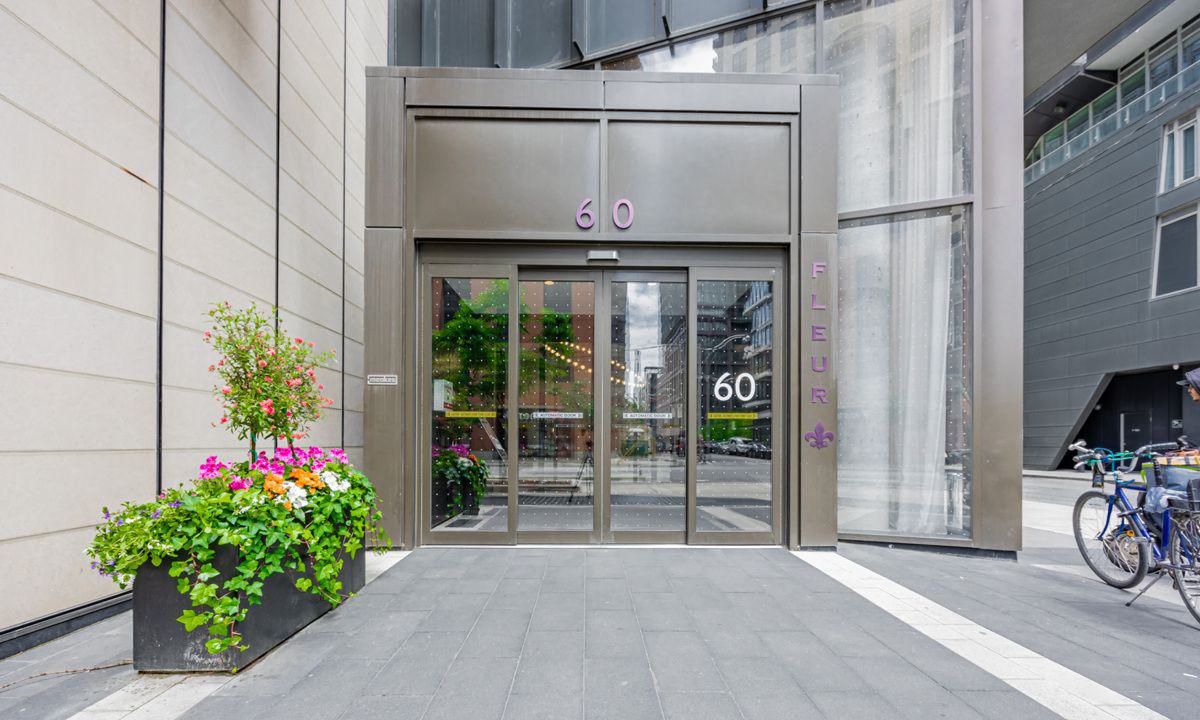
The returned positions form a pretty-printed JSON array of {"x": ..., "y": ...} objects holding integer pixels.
[
  {"x": 1112, "y": 553},
  {"x": 1184, "y": 551}
]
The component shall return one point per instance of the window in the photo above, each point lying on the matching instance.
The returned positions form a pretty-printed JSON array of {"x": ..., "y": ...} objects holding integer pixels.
[
  {"x": 1175, "y": 254},
  {"x": 1133, "y": 82},
  {"x": 1179, "y": 153},
  {"x": 1164, "y": 61},
  {"x": 1190, "y": 44}
]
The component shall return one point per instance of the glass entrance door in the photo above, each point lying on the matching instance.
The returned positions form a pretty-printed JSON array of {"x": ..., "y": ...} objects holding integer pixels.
[{"x": 575, "y": 405}]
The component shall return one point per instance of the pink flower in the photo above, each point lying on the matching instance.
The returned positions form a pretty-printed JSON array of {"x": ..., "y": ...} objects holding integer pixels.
[
  {"x": 211, "y": 468},
  {"x": 221, "y": 362},
  {"x": 299, "y": 341},
  {"x": 207, "y": 334},
  {"x": 267, "y": 406},
  {"x": 239, "y": 483},
  {"x": 312, "y": 344},
  {"x": 262, "y": 363},
  {"x": 225, "y": 389},
  {"x": 212, "y": 367},
  {"x": 224, "y": 419}
]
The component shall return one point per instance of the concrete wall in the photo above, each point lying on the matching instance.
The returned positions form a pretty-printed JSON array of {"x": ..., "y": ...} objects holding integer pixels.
[
  {"x": 1089, "y": 248},
  {"x": 79, "y": 260}
]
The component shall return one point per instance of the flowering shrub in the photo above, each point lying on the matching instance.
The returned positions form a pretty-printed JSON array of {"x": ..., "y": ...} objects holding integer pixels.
[
  {"x": 464, "y": 476},
  {"x": 294, "y": 510},
  {"x": 299, "y": 509},
  {"x": 268, "y": 382}
]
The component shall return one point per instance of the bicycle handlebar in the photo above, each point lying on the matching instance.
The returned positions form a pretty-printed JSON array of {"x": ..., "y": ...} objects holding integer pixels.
[{"x": 1157, "y": 448}]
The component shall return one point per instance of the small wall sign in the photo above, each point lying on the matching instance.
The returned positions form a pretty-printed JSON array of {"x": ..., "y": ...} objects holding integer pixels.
[{"x": 383, "y": 380}]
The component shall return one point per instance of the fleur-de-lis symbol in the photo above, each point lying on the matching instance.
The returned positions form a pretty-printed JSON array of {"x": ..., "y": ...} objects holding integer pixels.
[{"x": 819, "y": 437}]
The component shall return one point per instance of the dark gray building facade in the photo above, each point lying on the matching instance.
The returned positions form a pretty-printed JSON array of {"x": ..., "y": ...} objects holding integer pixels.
[{"x": 1112, "y": 303}]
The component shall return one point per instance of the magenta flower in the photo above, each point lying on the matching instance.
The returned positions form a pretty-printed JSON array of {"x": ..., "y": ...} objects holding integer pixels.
[
  {"x": 239, "y": 483},
  {"x": 338, "y": 454},
  {"x": 211, "y": 468}
]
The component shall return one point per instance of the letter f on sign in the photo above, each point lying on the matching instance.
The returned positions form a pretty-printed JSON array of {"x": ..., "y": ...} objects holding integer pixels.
[{"x": 817, "y": 268}]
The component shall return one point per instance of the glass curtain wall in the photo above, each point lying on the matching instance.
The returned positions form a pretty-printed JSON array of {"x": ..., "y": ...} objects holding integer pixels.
[{"x": 904, "y": 136}]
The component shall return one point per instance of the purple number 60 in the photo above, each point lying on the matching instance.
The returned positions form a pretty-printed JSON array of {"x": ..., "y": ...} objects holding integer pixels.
[
  {"x": 584, "y": 217},
  {"x": 617, "y": 214}
]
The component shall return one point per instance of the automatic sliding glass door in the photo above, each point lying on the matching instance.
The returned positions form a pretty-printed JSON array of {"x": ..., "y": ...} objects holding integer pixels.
[
  {"x": 647, "y": 395},
  {"x": 579, "y": 406}
]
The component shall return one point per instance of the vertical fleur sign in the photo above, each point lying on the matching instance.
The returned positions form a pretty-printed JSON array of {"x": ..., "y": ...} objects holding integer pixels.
[{"x": 818, "y": 330}]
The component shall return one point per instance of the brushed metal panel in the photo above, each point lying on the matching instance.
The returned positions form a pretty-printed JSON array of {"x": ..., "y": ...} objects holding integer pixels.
[
  {"x": 818, "y": 158},
  {"x": 700, "y": 177},
  {"x": 813, "y": 339},
  {"x": 506, "y": 92},
  {"x": 500, "y": 175},
  {"x": 998, "y": 321},
  {"x": 696, "y": 96},
  {"x": 385, "y": 152},
  {"x": 384, "y": 404}
]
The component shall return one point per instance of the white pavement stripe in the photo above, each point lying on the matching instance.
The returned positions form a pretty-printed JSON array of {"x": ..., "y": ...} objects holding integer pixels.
[
  {"x": 1060, "y": 689},
  {"x": 167, "y": 696},
  {"x": 154, "y": 697},
  {"x": 1050, "y": 517}
]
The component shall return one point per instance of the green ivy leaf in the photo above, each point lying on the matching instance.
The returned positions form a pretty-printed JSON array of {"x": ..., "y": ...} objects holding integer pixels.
[
  {"x": 192, "y": 620},
  {"x": 303, "y": 584}
]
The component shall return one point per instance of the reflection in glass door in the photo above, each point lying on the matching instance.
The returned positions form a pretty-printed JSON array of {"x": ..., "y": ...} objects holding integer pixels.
[
  {"x": 556, "y": 470},
  {"x": 469, "y": 368},
  {"x": 735, "y": 483},
  {"x": 647, "y": 445}
]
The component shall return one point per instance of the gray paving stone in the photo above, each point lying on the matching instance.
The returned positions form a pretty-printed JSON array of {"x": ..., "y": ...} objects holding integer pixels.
[
  {"x": 752, "y": 676},
  {"x": 784, "y": 706},
  {"x": 223, "y": 707},
  {"x": 559, "y": 611},
  {"x": 419, "y": 664},
  {"x": 604, "y": 566},
  {"x": 699, "y": 706},
  {"x": 544, "y": 706},
  {"x": 857, "y": 704},
  {"x": 661, "y": 611},
  {"x": 647, "y": 579},
  {"x": 378, "y": 639},
  {"x": 681, "y": 663},
  {"x": 620, "y": 688},
  {"x": 1007, "y": 704},
  {"x": 813, "y": 665},
  {"x": 613, "y": 633},
  {"x": 551, "y": 662},
  {"x": 383, "y": 707},
  {"x": 564, "y": 578},
  {"x": 608, "y": 594},
  {"x": 498, "y": 633},
  {"x": 454, "y": 612},
  {"x": 515, "y": 594},
  {"x": 475, "y": 688},
  {"x": 699, "y": 593}
]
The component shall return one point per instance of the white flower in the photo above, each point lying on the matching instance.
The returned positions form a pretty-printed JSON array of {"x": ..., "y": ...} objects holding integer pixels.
[
  {"x": 334, "y": 481},
  {"x": 295, "y": 494}
]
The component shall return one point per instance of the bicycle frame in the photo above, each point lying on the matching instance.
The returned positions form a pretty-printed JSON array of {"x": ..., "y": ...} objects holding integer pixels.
[{"x": 1159, "y": 546}]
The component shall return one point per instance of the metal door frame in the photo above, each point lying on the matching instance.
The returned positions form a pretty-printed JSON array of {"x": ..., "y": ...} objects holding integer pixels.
[{"x": 516, "y": 262}]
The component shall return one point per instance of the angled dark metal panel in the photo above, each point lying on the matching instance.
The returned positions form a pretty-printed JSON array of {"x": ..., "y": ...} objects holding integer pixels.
[
  {"x": 611, "y": 24},
  {"x": 683, "y": 15},
  {"x": 539, "y": 33},
  {"x": 385, "y": 161},
  {"x": 458, "y": 33},
  {"x": 405, "y": 32}
]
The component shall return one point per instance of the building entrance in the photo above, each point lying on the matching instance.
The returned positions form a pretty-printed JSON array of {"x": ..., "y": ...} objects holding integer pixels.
[{"x": 570, "y": 403}]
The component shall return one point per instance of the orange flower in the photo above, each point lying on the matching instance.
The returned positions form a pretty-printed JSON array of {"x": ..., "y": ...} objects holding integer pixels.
[
  {"x": 288, "y": 506},
  {"x": 473, "y": 458},
  {"x": 274, "y": 484},
  {"x": 306, "y": 479}
]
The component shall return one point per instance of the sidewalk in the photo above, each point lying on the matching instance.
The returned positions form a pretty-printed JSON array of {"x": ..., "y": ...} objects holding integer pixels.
[{"x": 674, "y": 632}]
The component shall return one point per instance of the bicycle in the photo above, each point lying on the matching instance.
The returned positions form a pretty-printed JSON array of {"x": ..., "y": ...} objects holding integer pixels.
[{"x": 1120, "y": 541}]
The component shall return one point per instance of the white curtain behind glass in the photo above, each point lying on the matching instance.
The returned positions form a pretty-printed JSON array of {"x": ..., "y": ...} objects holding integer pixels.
[
  {"x": 894, "y": 312},
  {"x": 900, "y": 65}
]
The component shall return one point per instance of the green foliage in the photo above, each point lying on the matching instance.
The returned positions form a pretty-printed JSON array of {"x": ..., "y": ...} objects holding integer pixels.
[
  {"x": 464, "y": 476},
  {"x": 268, "y": 382},
  {"x": 301, "y": 523},
  {"x": 297, "y": 511}
]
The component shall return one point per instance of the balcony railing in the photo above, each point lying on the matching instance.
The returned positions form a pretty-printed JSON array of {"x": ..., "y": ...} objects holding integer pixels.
[{"x": 1100, "y": 128}]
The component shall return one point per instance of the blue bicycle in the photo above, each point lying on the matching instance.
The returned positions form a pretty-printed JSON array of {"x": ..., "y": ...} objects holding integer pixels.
[{"x": 1122, "y": 541}]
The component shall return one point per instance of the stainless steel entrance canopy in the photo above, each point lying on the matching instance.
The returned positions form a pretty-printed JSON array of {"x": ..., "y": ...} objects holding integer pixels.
[{"x": 567, "y": 164}]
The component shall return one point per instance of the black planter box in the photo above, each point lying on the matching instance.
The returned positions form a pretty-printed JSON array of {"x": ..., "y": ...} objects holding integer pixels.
[{"x": 161, "y": 644}]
